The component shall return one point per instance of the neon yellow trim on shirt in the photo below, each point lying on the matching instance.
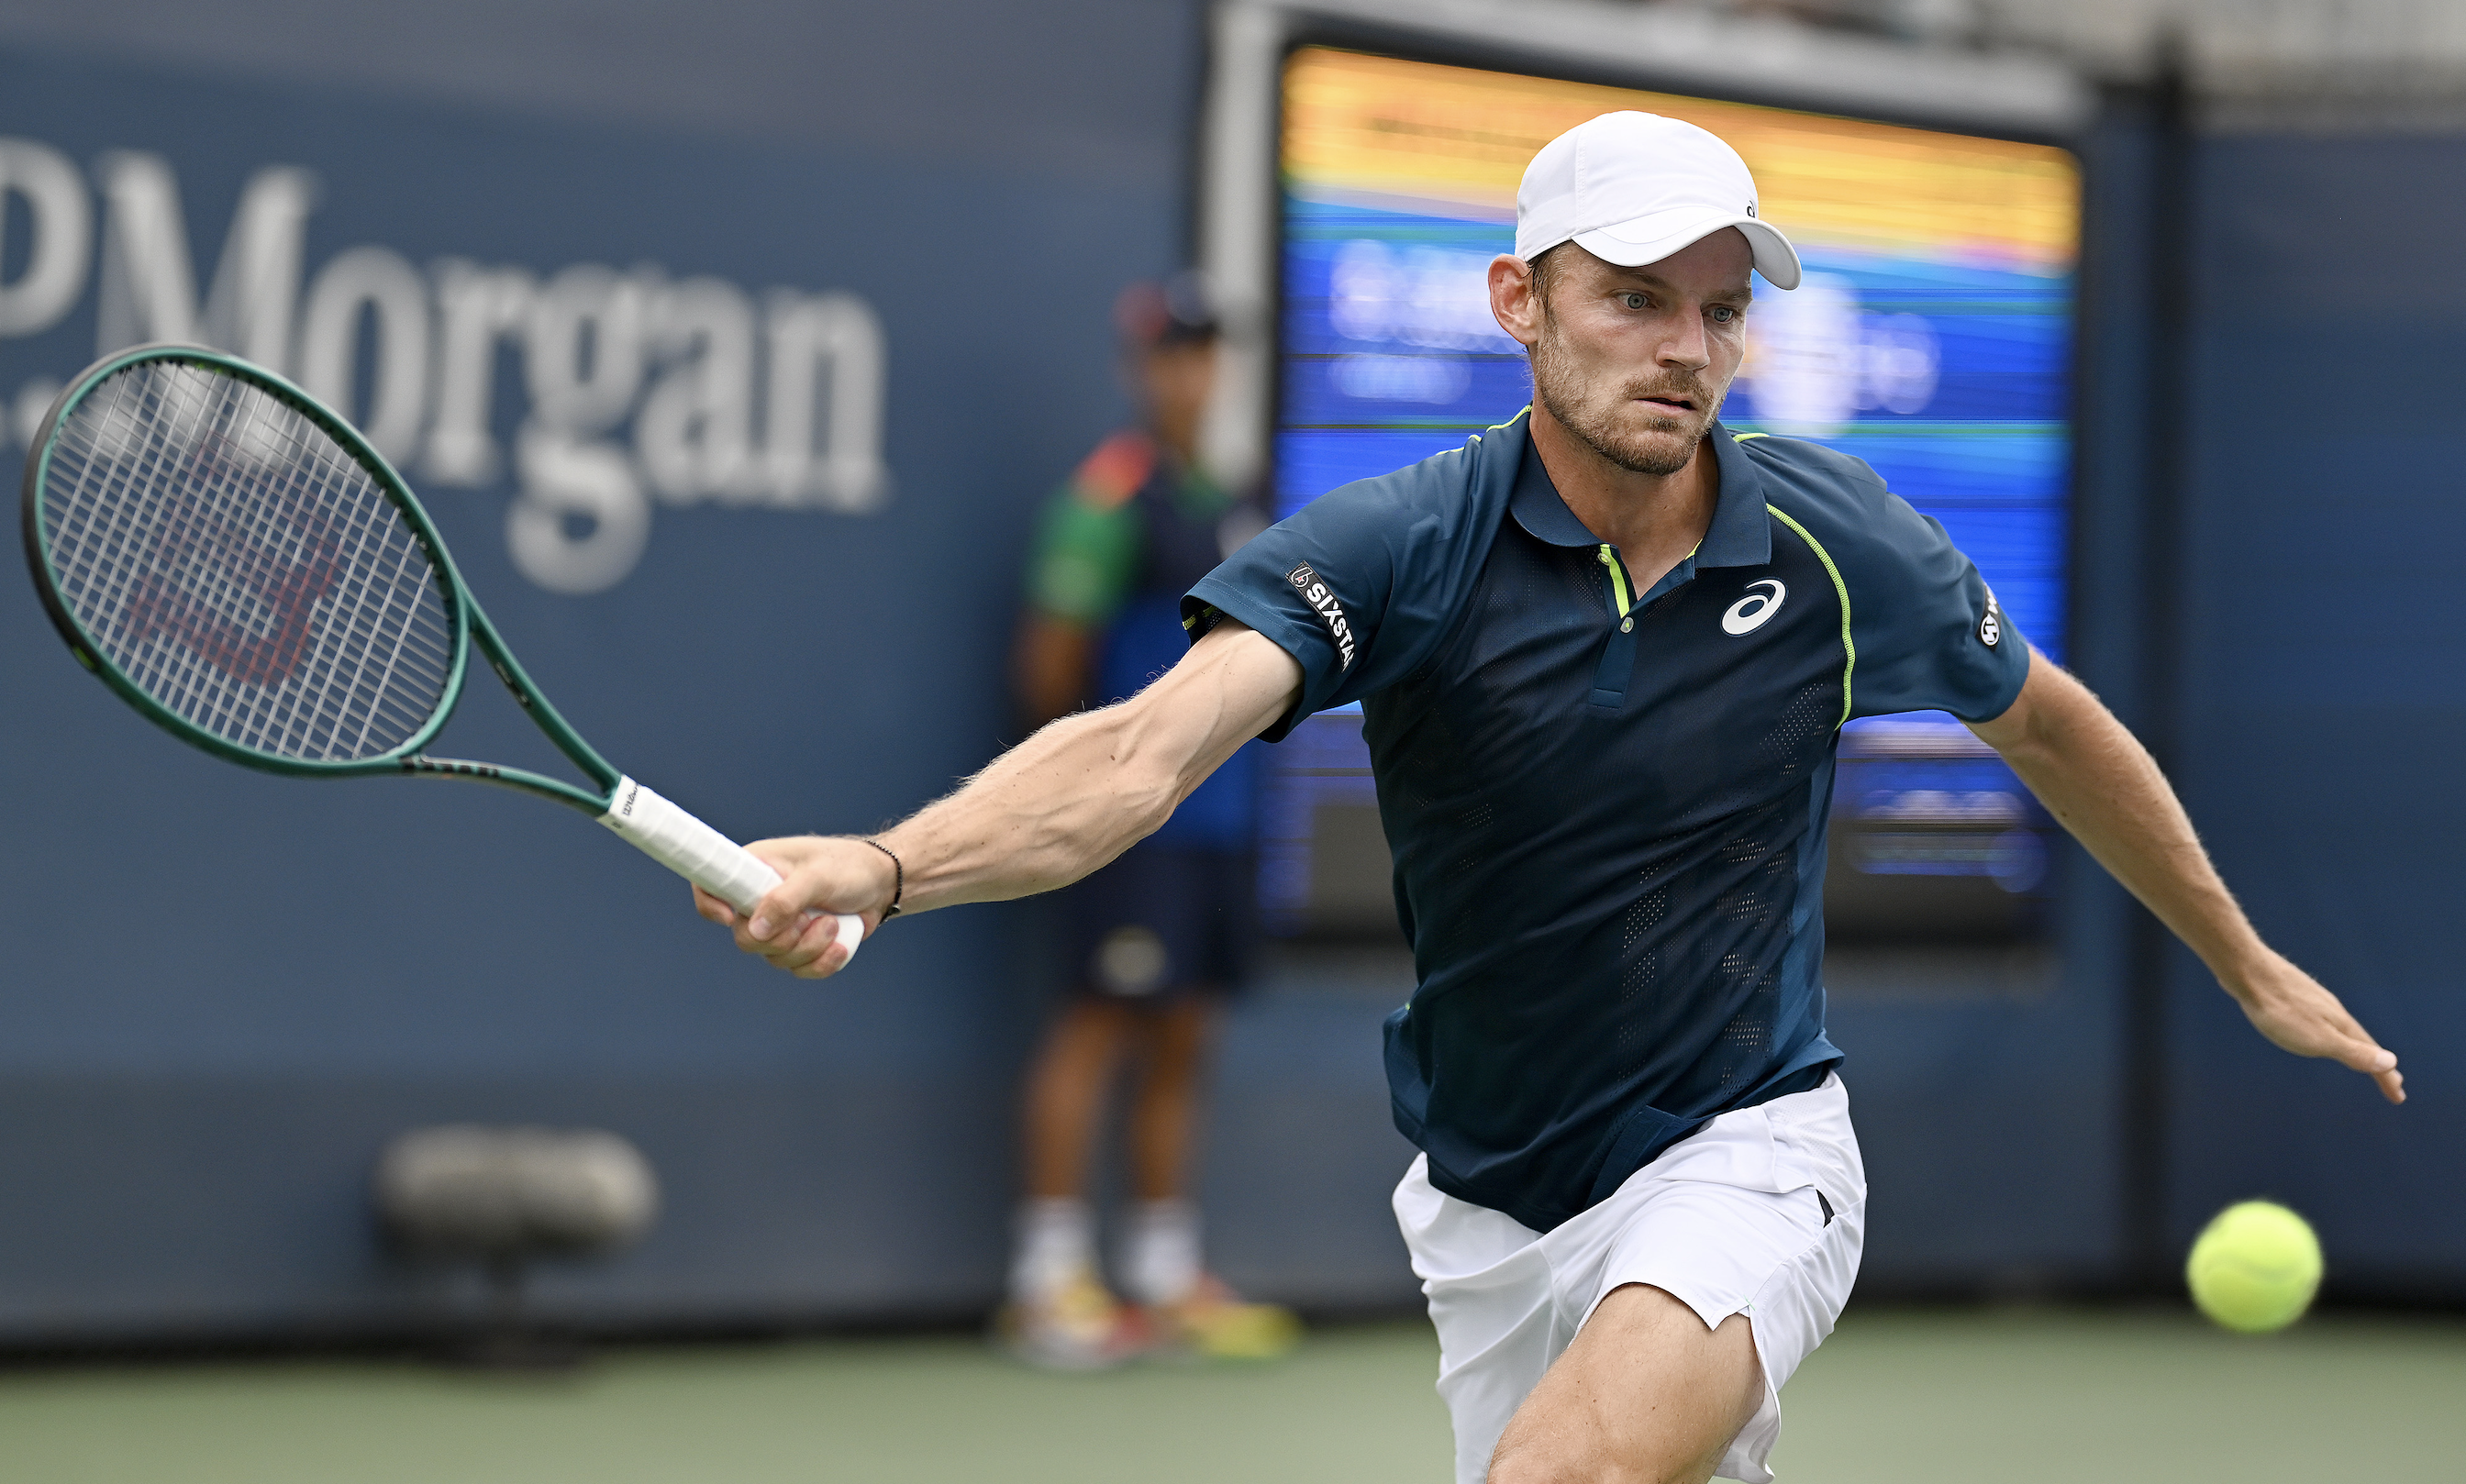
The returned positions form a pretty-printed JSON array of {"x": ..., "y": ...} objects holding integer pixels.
[
  {"x": 1849, "y": 647},
  {"x": 1510, "y": 423},
  {"x": 1622, "y": 603}
]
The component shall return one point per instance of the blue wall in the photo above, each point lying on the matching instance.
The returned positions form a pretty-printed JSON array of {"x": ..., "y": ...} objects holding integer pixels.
[{"x": 2320, "y": 707}]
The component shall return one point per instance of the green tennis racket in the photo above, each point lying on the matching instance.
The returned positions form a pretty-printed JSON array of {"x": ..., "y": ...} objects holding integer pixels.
[{"x": 237, "y": 563}]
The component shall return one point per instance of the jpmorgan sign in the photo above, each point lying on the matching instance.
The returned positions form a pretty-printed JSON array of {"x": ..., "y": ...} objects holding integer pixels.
[
  {"x": 639, "y": 388},
  {"x": 805, "y": 642}
]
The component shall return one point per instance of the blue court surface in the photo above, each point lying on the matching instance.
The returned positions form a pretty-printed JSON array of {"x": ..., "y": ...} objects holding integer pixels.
[{"x": 1897, "y": 1397}]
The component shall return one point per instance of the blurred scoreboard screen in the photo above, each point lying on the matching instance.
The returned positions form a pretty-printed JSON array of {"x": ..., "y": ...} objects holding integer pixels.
[{"x": 1933, "y": 338}]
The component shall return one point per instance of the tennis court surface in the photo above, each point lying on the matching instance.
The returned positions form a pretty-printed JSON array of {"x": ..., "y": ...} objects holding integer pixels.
[{"x": 1897, "y": 1397}]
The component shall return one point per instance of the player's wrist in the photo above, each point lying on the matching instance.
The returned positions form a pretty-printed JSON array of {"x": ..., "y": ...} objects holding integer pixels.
[
  {"x": 891, "y": 873},
  {"x": 2249, "y": 972}
]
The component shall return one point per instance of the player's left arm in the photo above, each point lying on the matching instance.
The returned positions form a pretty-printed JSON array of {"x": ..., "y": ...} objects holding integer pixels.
[{"x": 2097, "y": 779}]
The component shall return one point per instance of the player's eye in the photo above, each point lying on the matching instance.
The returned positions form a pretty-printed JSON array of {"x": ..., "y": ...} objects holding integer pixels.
[
  {"x": 1632, "y": 301},
  {"x": 1725, "y": 313}
]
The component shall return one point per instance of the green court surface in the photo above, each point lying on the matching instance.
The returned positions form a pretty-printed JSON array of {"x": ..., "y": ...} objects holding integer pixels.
[{"x": 1897, "y": 1397}]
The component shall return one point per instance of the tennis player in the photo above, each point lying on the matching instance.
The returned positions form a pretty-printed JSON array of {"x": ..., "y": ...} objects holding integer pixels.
[{"x": 1603, "y": 652}]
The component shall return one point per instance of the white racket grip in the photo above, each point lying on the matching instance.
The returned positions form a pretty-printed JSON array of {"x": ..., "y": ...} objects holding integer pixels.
[{"x": 659, "y": 828}]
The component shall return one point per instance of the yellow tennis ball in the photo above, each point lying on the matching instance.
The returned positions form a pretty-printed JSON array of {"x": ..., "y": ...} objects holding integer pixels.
[{"x": 2255, "y": 1268}]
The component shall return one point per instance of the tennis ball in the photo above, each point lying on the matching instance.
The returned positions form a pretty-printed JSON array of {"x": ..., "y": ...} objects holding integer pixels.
[{"x": 2255, "y": 1268}]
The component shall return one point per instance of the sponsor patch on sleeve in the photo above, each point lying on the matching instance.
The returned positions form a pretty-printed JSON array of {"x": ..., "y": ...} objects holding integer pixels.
[
  {"x": 1990, "y": 624},
  {"x": 1330, "y": 612}
]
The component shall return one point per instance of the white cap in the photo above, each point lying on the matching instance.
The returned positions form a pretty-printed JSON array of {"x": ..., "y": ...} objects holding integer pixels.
[{"x": 1633, "y": 188}]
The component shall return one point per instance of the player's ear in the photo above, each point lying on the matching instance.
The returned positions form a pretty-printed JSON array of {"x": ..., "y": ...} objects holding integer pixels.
[{"x": 1514, "y": 298}]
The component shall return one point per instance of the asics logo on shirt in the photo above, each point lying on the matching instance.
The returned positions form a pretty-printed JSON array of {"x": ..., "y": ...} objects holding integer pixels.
[
  {"x": 1330, "y": 612},
  {"x": 1749, "y": 614}
]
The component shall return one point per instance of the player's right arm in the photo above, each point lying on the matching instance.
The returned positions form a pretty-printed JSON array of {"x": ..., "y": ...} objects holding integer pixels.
[
  {"x": 1050, "y": 811},
  {"x": 1300, "y": 619}
]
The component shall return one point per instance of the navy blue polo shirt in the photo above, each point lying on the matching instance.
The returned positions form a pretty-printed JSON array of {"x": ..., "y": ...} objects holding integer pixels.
[{"x": 1606, "y": 807}]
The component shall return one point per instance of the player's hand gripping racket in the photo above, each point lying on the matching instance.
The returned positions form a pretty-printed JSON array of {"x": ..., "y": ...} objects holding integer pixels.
[{"x": 241, "y": 566}]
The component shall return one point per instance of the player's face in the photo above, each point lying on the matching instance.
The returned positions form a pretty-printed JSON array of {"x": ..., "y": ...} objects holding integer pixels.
[{"x": 1635, "y": 361}]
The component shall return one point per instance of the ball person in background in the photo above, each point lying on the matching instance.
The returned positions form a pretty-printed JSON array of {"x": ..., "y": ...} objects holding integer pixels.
[
  {"x": 1156, "y": 940},
  {"x": 1603, "y": 652}
]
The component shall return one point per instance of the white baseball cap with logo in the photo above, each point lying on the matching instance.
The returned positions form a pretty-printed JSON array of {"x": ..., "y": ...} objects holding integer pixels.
[{"x": 1633, "y": 188}]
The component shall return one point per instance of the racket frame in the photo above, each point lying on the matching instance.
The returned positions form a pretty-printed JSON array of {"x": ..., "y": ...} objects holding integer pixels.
[{"x": 469, "y": 624}]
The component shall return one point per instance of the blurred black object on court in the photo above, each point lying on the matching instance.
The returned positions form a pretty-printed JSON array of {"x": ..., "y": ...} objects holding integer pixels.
[{"x": 501, "y": 1199}]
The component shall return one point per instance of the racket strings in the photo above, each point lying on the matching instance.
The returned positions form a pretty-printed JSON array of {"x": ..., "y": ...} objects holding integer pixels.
[{"x": 241, "y": 568}]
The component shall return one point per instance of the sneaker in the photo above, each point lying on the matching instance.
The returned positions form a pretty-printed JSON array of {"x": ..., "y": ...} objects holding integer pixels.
[
  {"x": 1215, "y": 1322},
  {"x": 1079, "y": 1326}
]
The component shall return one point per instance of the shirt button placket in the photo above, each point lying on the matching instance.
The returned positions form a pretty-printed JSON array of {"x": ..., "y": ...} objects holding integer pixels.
[{"x": 1617, "y": 655}]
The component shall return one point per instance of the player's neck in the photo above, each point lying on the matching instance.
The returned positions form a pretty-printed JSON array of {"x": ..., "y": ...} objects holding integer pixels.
[{"x": 1654, "y": 521}]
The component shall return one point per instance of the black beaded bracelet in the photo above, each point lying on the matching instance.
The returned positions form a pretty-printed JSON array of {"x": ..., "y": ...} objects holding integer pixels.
[{"x": 898, "y": 877}]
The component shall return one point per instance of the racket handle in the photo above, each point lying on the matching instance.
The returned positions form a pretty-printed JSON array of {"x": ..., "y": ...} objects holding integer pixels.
[{"x": 701, "y": 855}]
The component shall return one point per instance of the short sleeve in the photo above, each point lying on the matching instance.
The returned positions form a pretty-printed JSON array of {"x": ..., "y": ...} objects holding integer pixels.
[
  {"x": 1930, "y": 635},
  {"x": 1359, "y": 586}
]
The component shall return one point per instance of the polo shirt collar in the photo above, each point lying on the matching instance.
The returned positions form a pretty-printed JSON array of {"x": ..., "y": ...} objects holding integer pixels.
[
  {"x": 1741, "y": 534},
  {"x": 1537, "y": 507}
]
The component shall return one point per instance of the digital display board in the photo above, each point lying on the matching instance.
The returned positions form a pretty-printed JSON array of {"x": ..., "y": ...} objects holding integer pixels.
[{"x": 1932, "y": 337}]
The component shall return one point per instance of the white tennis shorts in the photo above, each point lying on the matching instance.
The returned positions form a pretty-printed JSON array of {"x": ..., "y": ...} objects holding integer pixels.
[{"x": 1732, "y": 1220}]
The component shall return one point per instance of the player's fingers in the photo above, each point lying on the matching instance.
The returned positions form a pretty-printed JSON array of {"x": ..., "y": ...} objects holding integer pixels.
[
  {"x": 2354, "y": 1048},
  {"x": 781, "y": 909},
  {"x": 711, "y": 907},
  {"x": 816, "y": 953},
  {"x": 2343, "y": 1039},
  {"x": 780, "y": 947},
  {"x": 2362, "y": 1054},
  {"x": 830, "y": 961},
  {"x": 810, "y": 886}
]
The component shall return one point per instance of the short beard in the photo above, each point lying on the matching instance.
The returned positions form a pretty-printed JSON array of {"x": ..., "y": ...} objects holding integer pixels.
[{"x": 1557, "y": 386}]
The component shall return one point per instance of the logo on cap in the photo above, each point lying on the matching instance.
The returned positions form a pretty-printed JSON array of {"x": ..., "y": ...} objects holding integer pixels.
[{"x": 1751, "y": 208}]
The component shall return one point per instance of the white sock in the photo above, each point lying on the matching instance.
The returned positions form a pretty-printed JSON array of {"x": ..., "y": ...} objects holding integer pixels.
[
  {"x": 1161, "y": 1261},
  {"x": 1056, "y": 1241}
]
